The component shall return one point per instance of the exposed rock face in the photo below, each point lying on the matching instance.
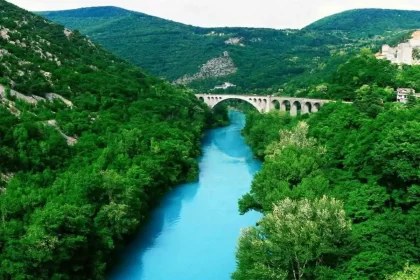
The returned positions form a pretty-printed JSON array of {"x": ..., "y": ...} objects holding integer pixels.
[
  {"x": 3, "y": 53},
  {"x": 30, "y": 45},
  {"x": 51, "y": 96},
  {"x": 235, "y": 41},
  {"x": 68, "y": 33},
  {"x": 33, "y": 99},
  {"x": 216, "y": 67},
  {"x": 4, "y": 33},
  {"x": 5, "y": 177},
  {"x": 70, "y": 140}
]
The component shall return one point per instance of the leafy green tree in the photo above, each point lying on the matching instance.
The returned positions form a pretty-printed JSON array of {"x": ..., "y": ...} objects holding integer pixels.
[
  {"x": 412, "y": 101},
  {"x": 370, "y": 100},
  {"x": 294, "y": 241},
  {"x": 409, "y": 273},
  {"x": 291, "y": 164}
]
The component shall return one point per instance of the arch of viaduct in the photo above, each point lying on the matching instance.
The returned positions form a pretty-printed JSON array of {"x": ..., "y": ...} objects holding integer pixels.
[{"x": 267, "y": 103}]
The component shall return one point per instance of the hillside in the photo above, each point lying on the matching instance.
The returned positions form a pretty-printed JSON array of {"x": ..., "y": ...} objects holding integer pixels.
[
  {"x": 368, "y": 22},
  {"x": 259, "y": 58},
  {"x": 88, "y": 144}
]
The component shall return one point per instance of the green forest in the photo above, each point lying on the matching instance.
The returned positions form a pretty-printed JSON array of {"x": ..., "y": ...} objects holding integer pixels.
[
  {"x": 66, "y": 210},
  {"x": 339, "y": 189}
]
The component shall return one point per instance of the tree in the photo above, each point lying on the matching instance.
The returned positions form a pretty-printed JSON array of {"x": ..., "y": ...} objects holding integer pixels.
[
  {"x": 409, "y": 273},
  {"x": 296, "y": 137},
  {"x": 290, "y": 163},
  {"x": 369, "y": 100},
  {"x": 412, "y": 101},
  {"x": 295, "y": 241}
]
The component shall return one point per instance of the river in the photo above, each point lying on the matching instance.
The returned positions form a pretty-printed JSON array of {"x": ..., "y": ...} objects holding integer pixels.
[{"x": 193, "y": 234}]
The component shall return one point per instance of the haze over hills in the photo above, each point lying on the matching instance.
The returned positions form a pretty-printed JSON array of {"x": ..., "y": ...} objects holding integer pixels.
[{"x": 256, "y": 58}]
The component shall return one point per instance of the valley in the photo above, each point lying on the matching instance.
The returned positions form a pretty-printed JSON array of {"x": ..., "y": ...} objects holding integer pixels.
[{"x": 134, "y": 147}]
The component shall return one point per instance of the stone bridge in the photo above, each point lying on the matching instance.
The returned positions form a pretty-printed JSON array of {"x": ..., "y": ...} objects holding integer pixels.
[{"x": 268, "y": 103}]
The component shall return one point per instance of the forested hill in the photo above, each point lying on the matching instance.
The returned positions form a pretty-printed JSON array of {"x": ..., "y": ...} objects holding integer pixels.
[
  {"x": 258, "y": 60},
  {"x": 78, "y": 177},
  {"x": 369, "y": 22}
]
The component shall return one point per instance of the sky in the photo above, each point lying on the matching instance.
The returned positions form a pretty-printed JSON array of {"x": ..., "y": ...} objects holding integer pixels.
[{"x": 220, "y": 13}]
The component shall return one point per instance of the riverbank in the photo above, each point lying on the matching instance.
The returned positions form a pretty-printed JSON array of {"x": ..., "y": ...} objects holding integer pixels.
[{"x": 193, "y": 233}]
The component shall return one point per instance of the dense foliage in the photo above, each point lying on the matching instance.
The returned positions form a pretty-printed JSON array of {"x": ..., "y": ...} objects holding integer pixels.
[
  {"x": 409, "y": 273},
  {"x": 365, "y": 154},
  {"x": 64, "y": 209},
  {"x": 292, "y": 241},
  {"x": 364, "y": 69}
]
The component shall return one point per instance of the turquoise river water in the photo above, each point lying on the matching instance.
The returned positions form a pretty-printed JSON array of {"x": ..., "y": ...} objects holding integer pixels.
[{"x": 193, "y": 234}]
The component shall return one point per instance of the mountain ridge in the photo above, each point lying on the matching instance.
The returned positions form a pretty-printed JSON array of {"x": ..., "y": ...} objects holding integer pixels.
[
  {"x": 367, "y": 19},
  {"x": 267, "y": 60},
  {"x": 115, "y": 9},
  {"x": 264, "y": 57}
]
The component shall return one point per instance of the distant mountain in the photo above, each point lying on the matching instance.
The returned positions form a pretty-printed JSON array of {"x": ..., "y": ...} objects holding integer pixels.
[
  {"x": 254, "y": 59},
  {"x": 258, "y": 58},
  {"x": 369, "y": 22}
]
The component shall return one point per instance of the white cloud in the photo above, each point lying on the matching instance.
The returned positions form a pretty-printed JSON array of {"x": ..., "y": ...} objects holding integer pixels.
[{"x": 213, "y": 13}]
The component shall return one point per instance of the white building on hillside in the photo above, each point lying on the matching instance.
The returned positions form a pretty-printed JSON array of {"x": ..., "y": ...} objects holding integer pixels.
[
  {"x": 404, "y": 93},
  {"x": 225, "y": 86},
  {"x": 404, "y": 53}
]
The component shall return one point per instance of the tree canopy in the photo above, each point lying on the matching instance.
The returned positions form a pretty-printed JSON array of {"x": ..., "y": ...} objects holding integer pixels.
[{"x": 364, "y": 154}]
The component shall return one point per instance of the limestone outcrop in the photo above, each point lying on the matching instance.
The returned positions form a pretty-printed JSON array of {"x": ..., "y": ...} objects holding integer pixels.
[{"x": 216, "y": 67}]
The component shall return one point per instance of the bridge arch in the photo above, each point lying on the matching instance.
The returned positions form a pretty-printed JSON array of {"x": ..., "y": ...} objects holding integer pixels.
[
  {"x": 254, "y": 102},
  {"x": 307, "y": 107},
  {"x": 257, "y": 102},
  {"x": 315, "y": 107},
  {"x": 275, "y": 105},
  {"x": 285, "y": 106}
]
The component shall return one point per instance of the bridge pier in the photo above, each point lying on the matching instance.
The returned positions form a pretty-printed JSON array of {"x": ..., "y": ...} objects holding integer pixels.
[
  {"x": 293, "y": 110},
  {"x": 283, "y": 107}
]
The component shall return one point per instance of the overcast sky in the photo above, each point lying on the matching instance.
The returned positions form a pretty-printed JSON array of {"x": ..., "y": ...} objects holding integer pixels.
[{"x": 214, "y": 13}]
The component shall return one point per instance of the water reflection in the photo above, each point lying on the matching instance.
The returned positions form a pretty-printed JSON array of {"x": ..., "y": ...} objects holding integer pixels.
[{"x": 193, "y": 233}]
